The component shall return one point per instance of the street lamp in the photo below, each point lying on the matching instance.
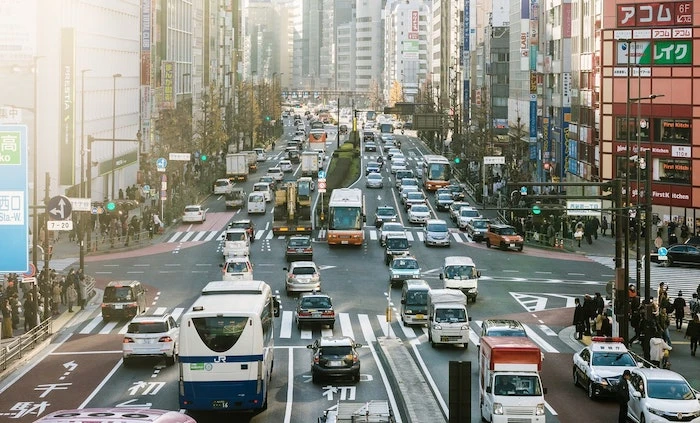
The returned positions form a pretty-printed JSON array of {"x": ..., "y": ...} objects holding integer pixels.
[
  {"x": 83, "y": 225},
  {"x": 114, "y": 129}
]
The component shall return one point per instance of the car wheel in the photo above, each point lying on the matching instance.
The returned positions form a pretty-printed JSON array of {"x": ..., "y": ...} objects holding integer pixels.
[
  {"x": 576, "y": 381},
  {"x": 520, "y": 248},
  {"x": 169, "y": 361},
  {"x": 668, "y": 262},
  {"x": 591, "y": 391},
  {"x": 488, "y": 243},
  {"x": 315, "y": 377},
  {"x": 331, "y": 326}
]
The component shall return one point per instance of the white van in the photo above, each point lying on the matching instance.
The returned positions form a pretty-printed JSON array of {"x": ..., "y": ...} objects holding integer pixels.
[
  {"x": 264, "y": 188},
  {"x": 236, "y": 243},
  {"x": 459, "y": 272},
  {"x": 256, "y": 202},
  {"x": 414, "y": 302}
]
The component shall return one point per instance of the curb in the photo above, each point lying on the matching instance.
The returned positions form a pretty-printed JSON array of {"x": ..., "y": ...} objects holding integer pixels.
[{"x": 400, "y": 401}]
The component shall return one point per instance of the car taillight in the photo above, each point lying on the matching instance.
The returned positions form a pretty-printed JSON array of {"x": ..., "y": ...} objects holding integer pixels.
[
  {"x": 290, "y": 275},
  {"x": 316, "y": 359},
  {"x": 128, "y": 340},
  {"x": 328, "y": 313},
  {"x": 304, "y": 313},
  {"x": 165, "y": 339},
  {"x": 307, "y": 250}
]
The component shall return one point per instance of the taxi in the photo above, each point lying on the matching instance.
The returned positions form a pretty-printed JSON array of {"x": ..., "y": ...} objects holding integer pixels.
[{"x": 599, "y": 366}]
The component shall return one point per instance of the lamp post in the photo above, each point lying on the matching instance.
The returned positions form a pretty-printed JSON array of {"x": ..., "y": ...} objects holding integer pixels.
[
  {"x": 35, "y": 201},
  {"x": 83, "y": 225},
  {"x": 114, "y": 129}
]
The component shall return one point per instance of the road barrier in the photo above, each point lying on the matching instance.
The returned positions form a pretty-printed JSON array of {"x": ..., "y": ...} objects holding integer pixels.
[{"x": 20, "y": 345}]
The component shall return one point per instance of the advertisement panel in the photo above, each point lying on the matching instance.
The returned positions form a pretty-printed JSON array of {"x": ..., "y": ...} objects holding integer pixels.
[
  {"x": 414, "y": 20},
  {"x": 14, "y": 205},
  {"x": 67, "y": 104},
  {"x": 410, "y": 50},
  {"x": 678, "y": 13},
  {"x": 168, "y": 85}
]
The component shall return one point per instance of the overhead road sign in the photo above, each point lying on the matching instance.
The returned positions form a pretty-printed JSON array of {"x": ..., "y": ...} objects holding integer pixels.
[{"x": 14, "y": 204}]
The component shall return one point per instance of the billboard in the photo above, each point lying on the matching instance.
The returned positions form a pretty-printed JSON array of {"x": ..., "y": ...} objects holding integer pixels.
[
  {"x": 679, "y": 13},
  {"x": 168, "y": 85},
  {"x": 67, "y": 104},
  {"x": 14, "y": 205},
  {"x": 656, "y": 52}
]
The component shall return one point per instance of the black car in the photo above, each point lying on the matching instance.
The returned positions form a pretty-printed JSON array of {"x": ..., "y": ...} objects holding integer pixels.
[
  {"x": 384, "y": 214},
  {"x": 372, "y": 167},
  {"x": 395, "y": 246},
  {"x": 443, "y": 201},
  {"x": 457, "y": 192},
  {"x": 678, "y": 254},
  {"x": 370, "y": 146},
  {"x": 335, "y": 356},
  {"x": 315, "y": 308},
  {"x": 299, "y": 248}
]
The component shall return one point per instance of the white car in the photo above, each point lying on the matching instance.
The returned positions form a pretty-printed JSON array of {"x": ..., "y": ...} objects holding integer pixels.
[
  {"x": 286, "y": 166},
  {"x": 415, "y": 197},
  {"x": 194, "y": 213},
  {"x": 237, "y": 269},
  {"x": 397, "y": 165},
  {"x": 599, "y": 366},
  {"x": 405, "y": 190},
  {"x": 466, "y": 215},
  {"x": 276, "y": 173},
  {"x": 222, "y": 186},
  {"x": 151, "y": 336},
  {"x": 418, "y": 213},
  {"x": 260, "y": 154},
  {"x": 660, "y": 395},
  {"x": 390, "y": 228},
  {"x": 264, "y": 188}
]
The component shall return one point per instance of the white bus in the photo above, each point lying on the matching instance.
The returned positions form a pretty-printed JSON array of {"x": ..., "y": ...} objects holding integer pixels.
[
  {"x": 227, "y": 346},
  {"x": 436, "y": 172},
  {"x": 346, "y": 217}
]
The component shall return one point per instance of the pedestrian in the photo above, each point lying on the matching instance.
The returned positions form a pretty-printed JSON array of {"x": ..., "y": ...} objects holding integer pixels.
[
  {"x": 657, "y": 348},
  {"x": 606, "y": 327},
  {"x": 694, "y": 305},
  {"x": 599, "y": 303},
  {"x": 693, "y": 332},
  {"x": 599, "y": 324},
  {"x": 14, "y": 303},
  {"x": 623, "y": 396},
  {"x": 679, "y": 310},
  {"x": 595, "y": 225},
  {"x": 589, "y": 230},
  {"x": 30, "y": 313},
  {"x": 6, "y": 318},
  {"x": 82, "y": 291},
  {"x": 604, "y": 226},
  {"x": 56, "y": 297},
  {"x": 578, "y": 233},
  {"x": 664, "y": 322},
  {"x": 588, "y": 312},
  {"x": 579, "y": 319},
  {"x": 72, "y": 297}
]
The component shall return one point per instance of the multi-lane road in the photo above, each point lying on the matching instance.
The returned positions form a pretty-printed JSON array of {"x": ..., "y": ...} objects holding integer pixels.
[{"x": 82, "y": 368}]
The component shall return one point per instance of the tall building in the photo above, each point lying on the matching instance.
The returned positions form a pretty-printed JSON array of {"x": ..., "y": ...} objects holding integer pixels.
[
  {"x": 369, "y": 46},
  {"x": 446, "y": 48}
]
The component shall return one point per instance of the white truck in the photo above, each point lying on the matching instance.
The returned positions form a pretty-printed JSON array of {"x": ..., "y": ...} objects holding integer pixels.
[
  {"x": 448, "y": 321},
  {"x": 510, "y": 387},
  {"x": 459, "y": 272},
  {"x": 237, "y": 166},
  {"x": 309, "y": 164}
]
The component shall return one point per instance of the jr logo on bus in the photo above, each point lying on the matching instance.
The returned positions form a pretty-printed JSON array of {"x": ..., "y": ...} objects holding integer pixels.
[{"x": 220, "y": 359}]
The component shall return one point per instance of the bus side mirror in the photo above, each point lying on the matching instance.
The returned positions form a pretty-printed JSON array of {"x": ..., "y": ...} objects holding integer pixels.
[
  {"x": 478, "y": 274},
  {"x": 442, "y": 276},
  {"x": 276, "y": 306},
  {"x": 488, "y": 389},
  {"x": 403, "y": 301}
]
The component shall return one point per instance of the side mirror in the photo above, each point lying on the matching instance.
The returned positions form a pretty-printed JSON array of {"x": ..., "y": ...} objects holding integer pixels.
[
  {"x": 410, "y": 245},
  {"x": 285, "y": 268},
  {"x": 441, "y": 276},
  {"x": 544, "y": 391},
  {"x": 488, "y": 389},
  {"x": 469, "y": 318},
  {"x": 403, "y": 301},
  {"x": 221, "y": 265},
  {"x": 478, "y": 274},
  {"x": 358, "y": 345}
]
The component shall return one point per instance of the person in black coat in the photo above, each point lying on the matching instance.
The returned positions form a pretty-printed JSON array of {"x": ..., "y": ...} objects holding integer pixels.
[
  {"x": 623, "y": 396},
  {"x": 579, "y": 319},
  {"x": 589, "y": 313}
]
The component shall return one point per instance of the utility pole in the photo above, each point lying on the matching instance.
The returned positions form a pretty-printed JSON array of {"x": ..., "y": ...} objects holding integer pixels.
[
  {"x": 46, "y": 292},
  {"x": 621, "y": 273}
]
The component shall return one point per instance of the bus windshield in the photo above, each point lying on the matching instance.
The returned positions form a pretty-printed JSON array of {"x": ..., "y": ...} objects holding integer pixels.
[
  {"x": 438, "y": 172},
  {"x": 346, "y": 218},
  {"x": 220, "y": 333}
]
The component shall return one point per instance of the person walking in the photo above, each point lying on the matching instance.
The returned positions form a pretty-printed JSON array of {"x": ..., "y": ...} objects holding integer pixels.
[
  {"x": 657, "y": 346},
  {"x": 14, "y": 303},
  {"x": 599, "y": 303},
  {"x": 579, "y": 319},
  {"x": 82, "y": 291},
  {"x": 694, "y": 305},
  {"x": 30, "y": 313},
  {"x": 589, "y": 313},
  {"x": 693, "y": 332},
  {"x": 72, "y": 297},
  {"x": 679, "y": 310},
  {"x": 6, "y": 318},
  {"x": 578, "y": 233},
  {"x": 623, "y": 396},
  {"x": 56, "y": 297},
  {"x": 604, "y": 226}
]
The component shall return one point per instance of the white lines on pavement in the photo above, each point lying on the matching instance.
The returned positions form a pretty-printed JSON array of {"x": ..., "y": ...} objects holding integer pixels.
[
  {"x": 177, "y": 312},
  {"x": 576, "y": 274},
  {"x": 174, "y": 237},
  {"x": 171, "y": 264},
  {"x": 539, "y": 341},
  {"x": 187, "y": 236},
  {"x": 136, "y": 271},
  {"x": 326, "y": 332},
  {"x": 103, "y": 273},
  {"x": 305, "y": 334},
  {"x": 211, "y": 236},
  {"x": 286, "y": 326},
  {"x": 429, "y": 377},
  {"x": 407, "y": 331},
  {"x": 345, "y": 325},
  {"x": 290, "y": 387},
  {"x": 544, "y": 273},
  {"x": 160, "y": 311},
  {"x": 511, "y": 271},
  {"x": 108, "y": 328},
  {"x": 141, "y": 265},
  {"x": 551, "y": 410},
  {"x": 366, "y": 327},
  {"x": 547, "y": 331},
  {"x": 373, "y": 235},
  {"x": 90, "y": 326},
  {"x": 383, "y": 324},
  {"x": 198, "y": 236}
]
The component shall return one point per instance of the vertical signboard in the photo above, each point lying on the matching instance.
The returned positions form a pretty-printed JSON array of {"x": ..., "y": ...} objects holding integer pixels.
[
  {"x": 145, "y": 73},
  {"x": 14, "y": 210},
  {"x": 67, "y": 104},
  {"x": 168, "y": 85},
  {"x": 414, "y": 20}
]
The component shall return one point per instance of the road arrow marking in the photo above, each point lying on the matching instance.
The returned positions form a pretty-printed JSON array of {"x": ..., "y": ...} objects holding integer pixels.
[
  {"x": 130, "y": 404},
  {"x": 71, "y": 365}
]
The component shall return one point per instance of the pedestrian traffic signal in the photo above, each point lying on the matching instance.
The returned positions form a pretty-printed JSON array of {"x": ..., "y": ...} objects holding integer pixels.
[
  {"x": 267, "y": 118},
  {"x": 536, "y": 209},
  {"x": 203, "y": 157},
  {"x": 111, "y": 206},
  {"x": 457, "y": 160}
]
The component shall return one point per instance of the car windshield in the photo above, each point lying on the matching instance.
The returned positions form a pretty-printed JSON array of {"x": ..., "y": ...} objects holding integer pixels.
[
  {"x": 305, "y": 270},
  {"x": 117, "y": 294},
  {"x": 419, "y": 209},
  {"x": 191, "y": 209},
  {"x": 506, "y": 332},
  {"x": 221, "y": 183},
  {"x": 457, "y": 205},
  {"x": 669, "y": 390},
  {"x": 612, "y": 359},
  {"x": 260, "y": 188},
  {"x": 405, "y": 264},
  {"x": 315, "y": 302},
  {"x": 451, "y": 315},
  {"x": 237, "y": 267},
  {"x": 469, "y": 213},
  {"x": 299, "y": 242},
  {"x": 479, "y": 224},
  {"x": 396, "y": 243},
  {"x": 220, "y": 333},
  {"x": 436, "y": 227},
  {"x": 235, "y": 236},
  {"x": 392, "y": 227},
  {"x": 386, "y": 212},
  {"x": 339, "y": 351},
  {"x": 511, "y": 385},
  {"x": 239, "y": 225},
  {"x": 374, "y": 176},
  {"x": 346, "y": 218},
  {"x": 417, "y": 298},
  {"x": 444, "y": 197},
  {"x": 415, "y": 196},
  {"x": 507, "y": 231},
  {"x": 409, "y": 181},
  {"x": 147, "y": 327},
  {"x": 259, "y": 198},
  {"x": 460, "y": 272}
]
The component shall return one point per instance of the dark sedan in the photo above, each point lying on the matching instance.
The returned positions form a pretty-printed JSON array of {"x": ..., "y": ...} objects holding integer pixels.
[
  {"x": 372, "y": 167},
  {"x": 678, "y": 254},
  {"x": 370, "y": 146}
]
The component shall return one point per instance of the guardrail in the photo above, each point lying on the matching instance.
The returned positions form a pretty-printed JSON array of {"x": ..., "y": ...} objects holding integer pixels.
[
  {"x": 18, "y": 347},
  {"x": 556, "y": 241}
]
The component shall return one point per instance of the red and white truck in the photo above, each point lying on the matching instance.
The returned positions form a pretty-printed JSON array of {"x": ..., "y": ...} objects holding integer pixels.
[{"x": 509, "y": 380}]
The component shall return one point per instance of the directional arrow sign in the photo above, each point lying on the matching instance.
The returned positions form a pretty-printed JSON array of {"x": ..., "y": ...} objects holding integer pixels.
[
  {"x": 59, "y": 208},
  {"x": 130, "y": 404},
  {"x": 71, "y": 365}
]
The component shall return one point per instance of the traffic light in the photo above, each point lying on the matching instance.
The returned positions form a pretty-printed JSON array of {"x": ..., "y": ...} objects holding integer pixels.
[
  {"x": 457, "y": 160},
  {"x": 111, "y": 206},
  {"x": 203, "y": 157},
  {"x": 267, "y": 118},
  {"x": 536, "y": 210}
]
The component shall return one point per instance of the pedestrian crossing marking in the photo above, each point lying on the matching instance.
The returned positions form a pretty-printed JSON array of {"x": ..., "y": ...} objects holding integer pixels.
[
  {"x": 456, "y": 237},
  {"x": 366, "y": 327},
  {"x": 259, "y": 234},
  {"x": 409, "y": 236},
  {"x": 91, "y": 326},
  {"x": 345, "y": 325},
  {"x": 108, "y": 328},
  {"x": 421, "y": 236},
  {"x": 530, "y": 302},
  {"x": 198, "y": 236},
  {"x": 160, "y": 311},
  {"x": 408, "y": 331},
  {"x": 305, "y": 334},
  {"x": 286, "y": 329},
  {"x": 383, "y": 324},
  {"x": 175, "y": 236},
  {"x": 177, "y": 312},
  {"x": 326, "y": 332},
  {"x": 210, "y": 236},
  {"x": 373, "y": 235},
  {"x": 547, "y": 331}
]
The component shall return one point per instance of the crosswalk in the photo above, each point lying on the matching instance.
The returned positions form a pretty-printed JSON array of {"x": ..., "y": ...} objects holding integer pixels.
[
  {"x": 361, "y": 327},
  {"x": 676, "y": 278},
  {"x": 371, "y": 234}
]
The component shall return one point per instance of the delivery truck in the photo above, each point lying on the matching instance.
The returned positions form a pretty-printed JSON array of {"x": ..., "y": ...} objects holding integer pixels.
[
  {"x": 309, "y": 164},
  {"x": 237, "y": 166},
  {"x": 448, "y": 321},
  {"x": 510, "y": 387}
]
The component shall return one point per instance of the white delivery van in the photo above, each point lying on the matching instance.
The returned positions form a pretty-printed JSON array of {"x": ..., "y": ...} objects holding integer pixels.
[
  {"x": 459, "y": 272},
  {"x": 236, "y": 243},
  {"x": 448, "y": 322},
  {"x": 264, "y": 188},
  {"x": 256, "y": 202}
]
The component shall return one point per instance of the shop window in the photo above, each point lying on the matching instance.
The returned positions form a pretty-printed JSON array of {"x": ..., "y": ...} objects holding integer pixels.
[
  {"x": 672, "y": 170},
  {"x": 672, "y": 131},
  {"x": 621, "y": 129}
]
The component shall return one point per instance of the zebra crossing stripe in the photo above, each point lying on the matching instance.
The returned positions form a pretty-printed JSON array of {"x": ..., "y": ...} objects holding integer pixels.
[
  {"x": 259, "y": 234},
  {"x": 345, "y": 325},
  {"x": 160, "y": 311},
  {"x": 286, "y": 326},
  {"x": 421, "y": 236},
  {"x": 175, "y": 236},
  {"x": 210, "y": 236},
  {"x": 539, "y": 341},
  {"x": 91, "y": 326},
  {"x": 269, "y": 235},
  {"x": 305, "y": 334},
  {"x": 366, "y": 327},
  {"x": 373, "y": 235},
  {"x": 456, "y": 236},
  {"x": 409, "y": 236},
  {"x": 326, "y": 332},
  {"x": 199, "y": 235},
  {"x": 123, "y": 329},
  {"x": 383, "y": 324},
  {"x": 407, "y": 331},
  {"x": 177, "y": 312},
  {"x": 187, "y": 236},
  {"x": 108, "y": 328}
]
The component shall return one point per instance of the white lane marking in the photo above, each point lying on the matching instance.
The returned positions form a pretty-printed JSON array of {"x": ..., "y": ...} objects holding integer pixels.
[
  {"x": 473, "y": 337},
  {"x": 530, "y": 302},
  {"x": 108, "y": 328},
  {"x": 366, "y": 327},
  {"x": 199, "y": 235},
  {"x": 259, "y": 234},
  {"x": 407, "y": 330},
  {"x": 142, "y": 265},
  {"x": 373, "y": 235},
  {"x": 212, "y": 235},
  {"x": 269, "y": 235},
  {"x": 385, "y": 380},
  {"x": 177, "y": 312},
  {"x": 551, "y": 410},
  {"x": 90, "y": 326},
  {"x": 383, "y": 324},
  {"x": 445, "y": 410},
  {"x": 286, "y": 326},
  {"x": 409, "y": 236},
  {"x": 99, "y": 387},
  {"x": 456, "y": 236},
  {"x": 290, "y": 388},
  {"x": 547, "y": 331},
  {"x": 160, "y": 311},
  {"x": 123, "y": 329},
  {"x": 175, "y": 236},
  {"x": 421, "y": 236},
  {"x": 306, "y": 334},
  {"x": 187, "y": 236},
  {"x": 539, "y": 341},
  {"x": 326, "y": 332},
  {"x": 346, "y": 325}
]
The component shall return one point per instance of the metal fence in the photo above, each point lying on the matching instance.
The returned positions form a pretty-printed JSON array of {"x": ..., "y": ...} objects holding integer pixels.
[{"x": 22, "y": 344}]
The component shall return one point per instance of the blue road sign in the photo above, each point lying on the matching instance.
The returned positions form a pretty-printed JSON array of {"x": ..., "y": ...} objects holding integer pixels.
[
  {"x": 663, "y": 251},
  {"x": 161, "y": 163},
  {"x": 523, "y": 190},
  {"x": 321, "y": 174},
  {"x": 14, "y": 199}
]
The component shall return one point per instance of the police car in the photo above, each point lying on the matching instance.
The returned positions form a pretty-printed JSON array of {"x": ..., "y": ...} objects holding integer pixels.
[{"x": 599, "y": 366}]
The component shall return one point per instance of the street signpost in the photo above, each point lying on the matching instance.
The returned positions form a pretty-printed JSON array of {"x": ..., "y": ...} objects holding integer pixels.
[
  {"x": 179, "y": 157},
  {"x": 60, "y": 225},
  {"x": 59, "y": 208},
  {"x": 321, "y": 174},
  {"x": 80, "y": 204},
  {"x": 14, "y": 204},
  {"x": 161, "y": 164},
  {"x": 321, "y": 185}
]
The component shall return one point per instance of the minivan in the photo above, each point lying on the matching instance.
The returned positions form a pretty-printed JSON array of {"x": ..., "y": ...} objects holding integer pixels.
[
  {"x": 123, "y": 300},
  {"x": 414, "y": 302},
  {"x": 256, "y": 202},
  {"x": 459, "y": 272},
  {"x": 264, "y": 188}
]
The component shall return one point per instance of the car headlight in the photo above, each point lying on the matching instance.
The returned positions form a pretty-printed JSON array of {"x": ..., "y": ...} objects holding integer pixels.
[
  {"x": 437, "y": 327},
  {"x": 656, "y": 412},
  {"x": 394, "y": 276},
  {"x": 539, "y": 410},
  {"x": 497, "y": 408},
  {"x": 599, "y": 380},
  {"x": 465, "y": 327}
]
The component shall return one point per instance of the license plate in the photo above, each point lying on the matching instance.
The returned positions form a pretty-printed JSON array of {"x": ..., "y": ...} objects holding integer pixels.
[
  {"x": 300, "y": 250},
  {"x": 118, "y": 306},
  {"x": 420, "y": 316},
  {"x": 343, "y": 242},
  {"x": 335, "y": 363},
  {"x": 316, "y": 314},
  {"x": 512, "y": 245},
  {"x": 219, "y": 404}
]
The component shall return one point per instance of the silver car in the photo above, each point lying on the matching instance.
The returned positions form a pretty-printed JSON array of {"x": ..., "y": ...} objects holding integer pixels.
[
  {"x": 302, "y": 276},
  {"x": 436, "y": 233},
  {"x": 419, "y": 213},
  {"x": 374, "y": 180},
  {"x": 390, "y": 228}
]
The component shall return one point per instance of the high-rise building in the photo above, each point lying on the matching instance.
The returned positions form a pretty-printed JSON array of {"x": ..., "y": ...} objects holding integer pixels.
[{"x": 369, "y": 46}]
